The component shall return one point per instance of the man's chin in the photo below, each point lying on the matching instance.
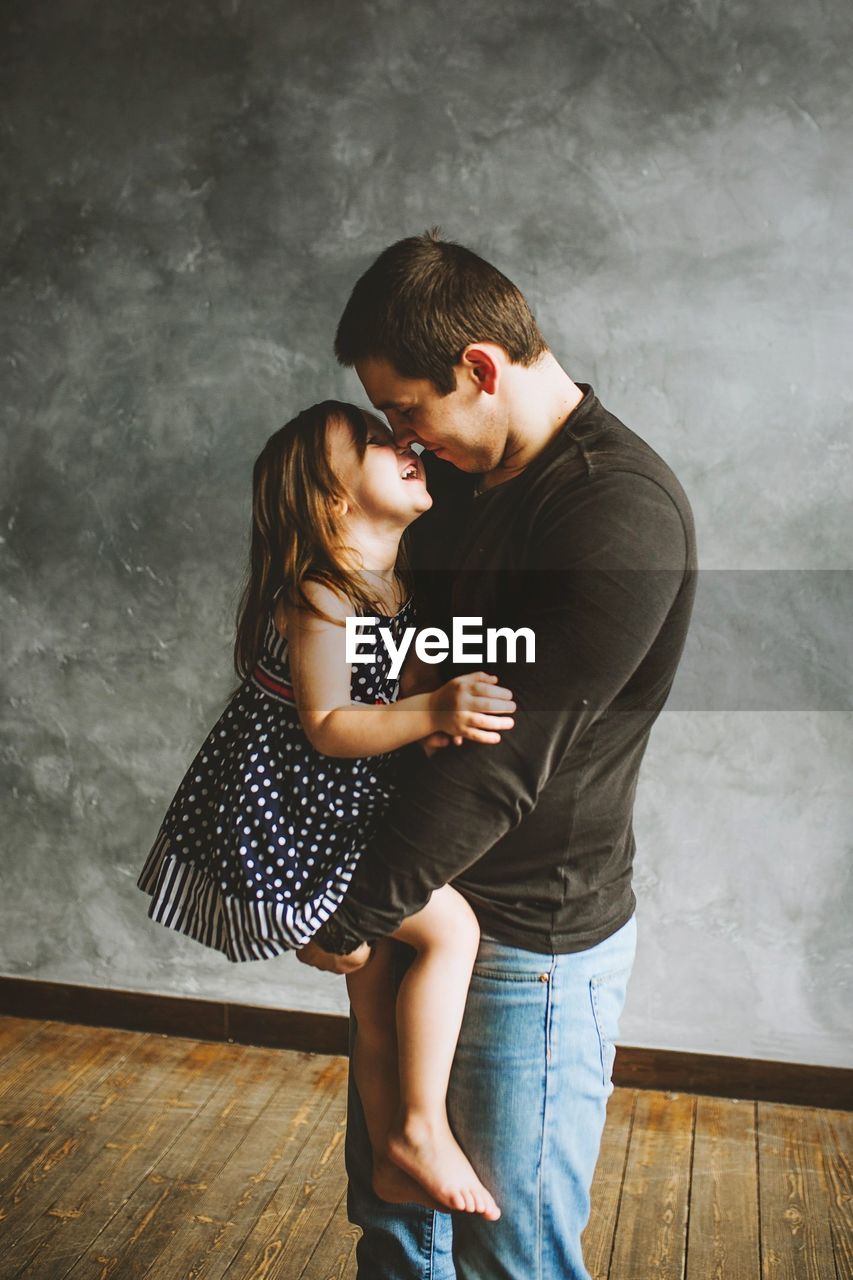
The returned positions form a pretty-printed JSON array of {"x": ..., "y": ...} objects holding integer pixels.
[
  {"x": 469, "y": 465},
  {"x": 443, "y": 455}
]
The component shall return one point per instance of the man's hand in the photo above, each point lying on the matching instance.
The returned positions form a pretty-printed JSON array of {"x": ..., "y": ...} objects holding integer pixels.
[
  {"x": 317, "y": 958},
  {"x": 437, "y": 740}
]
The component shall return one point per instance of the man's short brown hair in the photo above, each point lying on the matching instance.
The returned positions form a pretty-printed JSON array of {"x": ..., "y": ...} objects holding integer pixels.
[{"x": 423, "y": 301}]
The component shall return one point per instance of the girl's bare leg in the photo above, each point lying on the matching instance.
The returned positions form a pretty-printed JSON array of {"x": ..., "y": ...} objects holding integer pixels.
[
  {"x": 375, "y": 1066},
  {"x": 430, "y": 1005}
]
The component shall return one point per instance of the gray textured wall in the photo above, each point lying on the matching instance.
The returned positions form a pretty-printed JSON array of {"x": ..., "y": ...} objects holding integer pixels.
[{"x": 190, "y": 191}]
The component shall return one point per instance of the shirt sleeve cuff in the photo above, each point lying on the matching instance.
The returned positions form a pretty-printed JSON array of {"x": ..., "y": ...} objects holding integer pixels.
[{"x": 336, "y": 938}]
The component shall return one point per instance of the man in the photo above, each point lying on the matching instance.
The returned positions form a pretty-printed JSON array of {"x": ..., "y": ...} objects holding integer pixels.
[{"x": 549, "y": 514}]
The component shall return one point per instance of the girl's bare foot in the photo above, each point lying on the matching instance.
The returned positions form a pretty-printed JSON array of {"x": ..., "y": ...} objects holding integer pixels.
[
  {"x": 392, "y": 1184},
  {"x": 430, "y": 1154}
]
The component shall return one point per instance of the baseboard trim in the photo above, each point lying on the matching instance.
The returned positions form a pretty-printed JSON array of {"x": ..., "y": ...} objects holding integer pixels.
[{"x": 803, "y": 1084}]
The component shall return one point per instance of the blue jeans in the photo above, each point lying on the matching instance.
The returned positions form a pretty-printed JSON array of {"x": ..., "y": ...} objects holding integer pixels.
[{"x": 527, "y": 1099}]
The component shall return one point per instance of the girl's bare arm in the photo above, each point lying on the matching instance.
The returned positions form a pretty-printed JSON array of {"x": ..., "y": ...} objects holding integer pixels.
[{"x": 470, "y": 705}]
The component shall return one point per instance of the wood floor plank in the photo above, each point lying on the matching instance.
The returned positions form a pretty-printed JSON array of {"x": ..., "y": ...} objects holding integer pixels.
[
  {"x": 606, "y": 1188},
  {"x": 38, "y": 1061},
  {"x": 204, "y": 1243},
  {"x": 89, "y": 1134},
  {"x": 87, "y": 1130},
  {"x": 650, "y": 1239},
  {"x": 131, "y": 1155},
  {"x": 722, "y": 1241},
  {"x": 41, "y": 1128},
  {"x": 796, "y": 1238},
  {"x": 15, "y": 1031},
  {"x": 42, "y": 1102},
  {"x": 321, "y": 1196},
  {"x": 282, "y": 1240},
  {"x": 127, "y": 1241},
  {"x": 176, "y": 1189},
  {"x": 837, "y": 1142},
  {"x": 334, "y": 1255},
  {"x": 45, "y": 1137},
  {"x": 106, "y": 1167}
]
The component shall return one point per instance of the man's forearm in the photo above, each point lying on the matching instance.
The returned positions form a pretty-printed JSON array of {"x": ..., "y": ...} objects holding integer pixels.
[
  {"x": 357, "y": 920},
  {"x": 400, "y": 869}
]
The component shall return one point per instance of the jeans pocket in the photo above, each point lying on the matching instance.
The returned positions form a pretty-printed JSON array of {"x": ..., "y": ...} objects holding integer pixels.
[
  {"x": 489, "y": 974},
  {"x": 607, "y": 996}
]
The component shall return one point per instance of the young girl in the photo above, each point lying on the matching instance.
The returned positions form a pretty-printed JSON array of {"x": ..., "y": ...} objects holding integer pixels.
[{"x": 260, "y": 841}]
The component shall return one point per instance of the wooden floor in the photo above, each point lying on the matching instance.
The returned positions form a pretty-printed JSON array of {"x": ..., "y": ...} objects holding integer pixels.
[{"x": 128, "y": 1155}]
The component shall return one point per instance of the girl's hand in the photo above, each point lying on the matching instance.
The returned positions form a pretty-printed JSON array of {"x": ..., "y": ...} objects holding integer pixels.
[{"x": 472, "y": 706}]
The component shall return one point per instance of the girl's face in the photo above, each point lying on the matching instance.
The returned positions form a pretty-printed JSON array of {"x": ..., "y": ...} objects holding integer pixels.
[{"x": 387, "y": 483}]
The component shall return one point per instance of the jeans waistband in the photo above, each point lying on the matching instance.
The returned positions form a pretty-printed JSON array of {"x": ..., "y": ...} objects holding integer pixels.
[{"x": 614, "y": 952}]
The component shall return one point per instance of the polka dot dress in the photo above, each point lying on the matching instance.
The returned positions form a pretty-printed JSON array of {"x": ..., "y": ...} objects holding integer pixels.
[{"x": 260, "y": 841}]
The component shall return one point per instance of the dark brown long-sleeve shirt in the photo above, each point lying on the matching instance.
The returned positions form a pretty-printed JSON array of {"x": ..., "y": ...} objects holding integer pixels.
[{"x": 592, "y": 546}]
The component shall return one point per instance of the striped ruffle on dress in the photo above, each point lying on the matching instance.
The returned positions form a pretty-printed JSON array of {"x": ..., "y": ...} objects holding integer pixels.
[{"x": 260, "y": 841}]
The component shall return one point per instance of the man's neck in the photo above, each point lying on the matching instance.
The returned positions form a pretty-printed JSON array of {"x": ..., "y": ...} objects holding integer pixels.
[{"x": 541, "y": 398}]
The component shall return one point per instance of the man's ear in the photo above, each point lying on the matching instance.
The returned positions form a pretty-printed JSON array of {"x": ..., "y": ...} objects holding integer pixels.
[{"x": 482, "y": 366}]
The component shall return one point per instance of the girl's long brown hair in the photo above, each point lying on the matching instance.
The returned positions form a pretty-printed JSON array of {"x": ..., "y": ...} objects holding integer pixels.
[{"x": 296, "y": 532}]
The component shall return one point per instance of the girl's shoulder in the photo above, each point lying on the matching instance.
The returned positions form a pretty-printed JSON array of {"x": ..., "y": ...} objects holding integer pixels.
[
  {"x": 331, "y": 602},
  {"x": 330, "y": 599},
  {"x": 335, "y": 604}
]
